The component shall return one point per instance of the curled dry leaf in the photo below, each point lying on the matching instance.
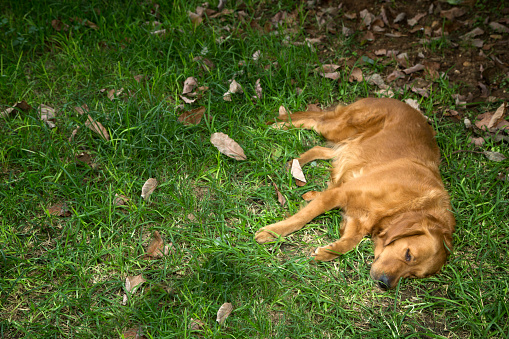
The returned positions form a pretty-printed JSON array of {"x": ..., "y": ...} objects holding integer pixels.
[
  {"x": 223, "y": 312},
  {"x": 195, "y": 18},
  {"x": 22, "y": 105},
  {"x": 47, "y": 114},
  {"x": 187, "y": 100},
  {"x": 192, "y": 117},
  {"x": 235, "y": 87},
  {"x": 494, "y": 156},
  {"x": 112, "y": 93},
  {"x": 256, "y": 55},
  {"x": 311, "y": 195},
  {"x": 134, "y": 333},
  {"x": 498, "y": 116},
  {"x": 356, "y": 75},
  {"x": 477, "y": 141},
  {"x": 196, "y": 324},
  {"x": 59, "y": 210},
  {"x": 473, "y": 33},
  {"x": 412, "y": 22},
  {"x": 258, "y": 89},
  {"x": 98, "y": 128},
  {"x": 189, "y": 85},
  {"x": 155, "y": 249},
  {"x": 413, "y": 69},
  {"x": 297, "y": 173},
  {"x": 280, "y": 197},
  {"x": 499, "y": 27},
  {"x": 227, "y": 146},
  {"x": 81, "y": 109},
  {"x": 131, "y": 282},
  {"x": 283, "y": 111},
  {"x": 399, "y": 17},
  {"x": 148, "y": 187},
  {"x": 413, "y": 103},
  {"x": 120, "y": 200}
]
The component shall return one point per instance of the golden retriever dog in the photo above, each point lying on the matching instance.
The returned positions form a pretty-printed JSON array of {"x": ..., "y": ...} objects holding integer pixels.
[{"x": 386, "y": 181}]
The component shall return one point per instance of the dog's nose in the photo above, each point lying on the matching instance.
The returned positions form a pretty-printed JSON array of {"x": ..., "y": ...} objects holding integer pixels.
[{"x": 383, "y": 282}]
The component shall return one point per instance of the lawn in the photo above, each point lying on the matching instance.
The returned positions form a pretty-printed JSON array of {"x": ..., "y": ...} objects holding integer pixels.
[{"x": 74, "y": 227}]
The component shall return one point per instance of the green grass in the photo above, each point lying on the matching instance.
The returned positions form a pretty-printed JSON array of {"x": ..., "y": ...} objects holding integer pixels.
[{"x": 65, "y": 276}]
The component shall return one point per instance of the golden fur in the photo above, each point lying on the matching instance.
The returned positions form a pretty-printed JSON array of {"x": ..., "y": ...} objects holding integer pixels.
[{"x": 386, "y": 180}]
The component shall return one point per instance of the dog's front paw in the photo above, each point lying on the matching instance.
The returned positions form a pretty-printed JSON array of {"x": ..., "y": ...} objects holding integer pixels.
[
  {"x": 263, "y": 235},
  {"x": 324, "y": 254}
]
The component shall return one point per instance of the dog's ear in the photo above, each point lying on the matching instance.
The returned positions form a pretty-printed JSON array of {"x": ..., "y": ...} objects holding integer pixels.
[{"x": 404, "y": 225}]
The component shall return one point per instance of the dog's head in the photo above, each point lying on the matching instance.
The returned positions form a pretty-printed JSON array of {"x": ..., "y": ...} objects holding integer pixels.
[{"x": 414, "y": 245}]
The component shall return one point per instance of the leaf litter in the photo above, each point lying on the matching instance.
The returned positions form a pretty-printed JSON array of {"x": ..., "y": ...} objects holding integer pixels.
[{"x": 227, "y": 146}]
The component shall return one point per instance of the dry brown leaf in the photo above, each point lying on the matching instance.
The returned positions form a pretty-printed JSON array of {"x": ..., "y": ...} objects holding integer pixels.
[
  {"x": 156, "y": 247},
  {"x": 223, "y": 312},
  {"x": 296, "y": 171},
  {"x": 131, "y": 282},
  {"x": 376, "y": 79},
  {"x": 227, "y": 96},
  {"x": 196, "y": 324},
  {"x": 280, "y": 197},
  {"x": 192, "y": 117},
  {"x": 256, "y": 55},
  {"x": 139, "y": 77},
  {"x": 477, "y": 141},
  {"x": 22, "y": 105},
  {"x": 207, "y": 64},
  {"x": 413, "y": 103},
  {"x": 258, "y": 89},
  {"x": 311, "y": 195},
  {"x": 283, "y": 111},
  {"x": 453, "y": 13},
  {"x": 134, "y": 333},
  {"x": 47, "y": 114},
  {"x": 367, "y": 17},
  {"x": 120, "y": 200},
  {"x": 395, "y": 75},
  {"x": 98, "y": 128},
  {"x": 148, "y": 187},
  {"x": 498, "y": 116},
  {"x": 498, "y": 27},
  {"x": 227, "y": 146},
  {"x": 368, "y": 36},
  {"x": 195, "y": 18},
  {"x": 399, "y": 17},
  {"x": 81, "y": 109},
  {"x": 112, "y": 93},
  {"x": 187, "y": 100},
  {"x": 412, "y": 22},
  {"x": 494, "y": 156},
  {"x": 235, "y": 87},
  {"x": 189, "y": 85},
  {"x": 59, "y": 210},
  {"x": 326, "y": 68},
  {"x": 413, "y": 69},
  {"x": 473, "y": 33},
  {"x": 356, "y": 75},
  {"x": 59, "y": 25}
]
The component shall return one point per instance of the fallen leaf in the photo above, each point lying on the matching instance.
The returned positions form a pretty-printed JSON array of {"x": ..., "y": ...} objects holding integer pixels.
[
  {"x": 134, "y": 333},
  {"x": 207, "y": 64},
  {"x": 413, "y": 103},
  {"x": 120, "y": 200},
  {"x": 22, "y": 105},
  {"x": 47, "y": 114},
  {"x": 189, "y": 85},
  {"x": 280, "y": 197},
  {"x": 473, "y": 33},
  {"x": 453, "y": 13},
  {"x": 98, "y": 128},
  {"x": 256, "y": 55},
  {"x": 413, "y": 69},
  {"x": 235, "y": 87},
  {"x": 223, "y": 312},
  {"x": 297, "y": 173},
  {"x": 192, "y": 117},
  {"x": 356, "y": 75},
  {"x": 311, "y": 195},
  {"x": 367, "y": 17},
  {"x": 195, "y": 18},
  {"x": 326, "y": 68},
  {"x": 282, "y": 111},
  {"x": 498, "y": 116},
  {"x": 498, "y": 27},
  {"x": 112, "y": 93},
  {"x": 494, "y": 156},
  {"x": 131, "y": 282},
  {"x": 399, "y": 17},
  {"x": 196, "y": 324},
  {"x": 148, "y": 187},
  {"x": 376, "y": 79},
  {"x": 258, "y": 89},
  {"x": 59, "y": 25},
  {"x": 395, "y": 75},
  {"x": 81, "y": 109},
  {"x": 227, "y": 146},
  {"x": 412, "y": 22},
  {"x": 156, "y": 247},
  {"x": 187, "y": 100},
  {"x": 59, "y": 210},
  {"x": 221, "y": 4},
  {"x": 477, "y": 141}
]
